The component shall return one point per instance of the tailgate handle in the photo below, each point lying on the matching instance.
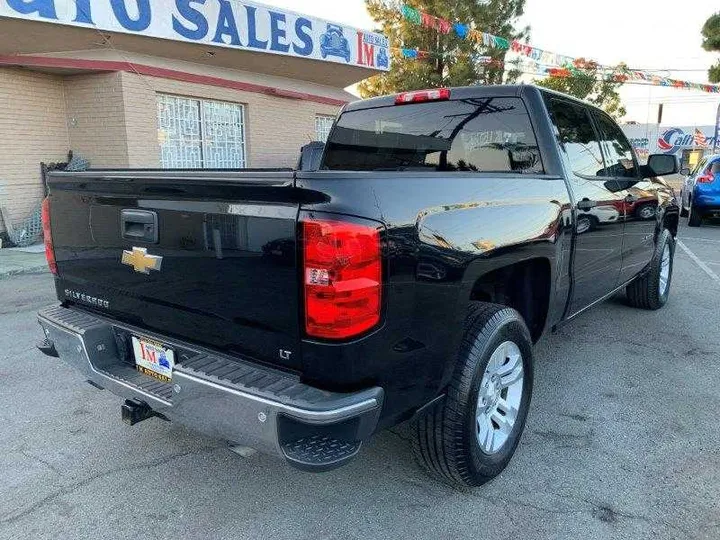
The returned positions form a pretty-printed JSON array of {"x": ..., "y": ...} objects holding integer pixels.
[{"x": 139, "y": 225}]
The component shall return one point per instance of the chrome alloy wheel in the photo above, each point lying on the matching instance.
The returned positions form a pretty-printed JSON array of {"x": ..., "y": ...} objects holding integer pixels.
[
  {"x": 665, "y": 270},
  {"x": 647, "y": 212},
  {"x": 499, "y": 397}
]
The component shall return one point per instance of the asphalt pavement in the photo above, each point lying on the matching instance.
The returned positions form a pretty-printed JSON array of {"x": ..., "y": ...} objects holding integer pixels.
[{"x": 622, "y": 441}]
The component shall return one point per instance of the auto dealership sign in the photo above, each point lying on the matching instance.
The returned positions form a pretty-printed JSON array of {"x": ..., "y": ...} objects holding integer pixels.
[
  {"x": 674, "y": 139},
  {"x": 221, "y": 23},
  {"x": 651, "y": 139}
]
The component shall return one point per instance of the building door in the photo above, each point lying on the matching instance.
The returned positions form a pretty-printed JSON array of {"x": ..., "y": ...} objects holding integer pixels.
[{"x": 599, "y": 206}]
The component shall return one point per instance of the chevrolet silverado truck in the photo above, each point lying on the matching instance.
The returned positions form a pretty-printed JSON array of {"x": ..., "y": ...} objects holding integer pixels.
[{"x": 407, "y": 278}]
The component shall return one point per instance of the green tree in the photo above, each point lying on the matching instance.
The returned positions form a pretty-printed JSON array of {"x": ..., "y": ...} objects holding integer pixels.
[
  {"x": 711, "y": 42},
  {"x": 587, "y": 80},
  {"x": 453, "y": 60}
]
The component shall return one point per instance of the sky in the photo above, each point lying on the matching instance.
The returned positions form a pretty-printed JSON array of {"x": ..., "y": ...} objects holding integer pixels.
[{"x": 645, "y": 34}]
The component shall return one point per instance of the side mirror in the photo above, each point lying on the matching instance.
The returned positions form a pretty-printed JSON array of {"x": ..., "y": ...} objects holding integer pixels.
[
  {"x": 310, "y": 156},
  {"x": 661, "y": 165},
  {"x": 685, "y": 171}
]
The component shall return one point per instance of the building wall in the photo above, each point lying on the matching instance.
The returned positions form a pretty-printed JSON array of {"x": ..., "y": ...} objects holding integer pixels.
[
  {"x": 111, "y": 120},
  {"x": 34, "y": 129},
  {"x": 276, "y": 128},
  {"x": 96, "y": 118},
  {"x": 139, "y": 101}
]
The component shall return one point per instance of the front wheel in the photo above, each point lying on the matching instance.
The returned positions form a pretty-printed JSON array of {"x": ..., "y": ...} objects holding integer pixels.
[
  {"x": 470, "y": 437},
  {"x": 652, "y": 289},
  {"x": 647, "y": 211}
]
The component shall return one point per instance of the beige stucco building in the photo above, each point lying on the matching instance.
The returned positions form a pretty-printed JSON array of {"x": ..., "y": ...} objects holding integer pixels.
[{"x": 89, "y": 81}]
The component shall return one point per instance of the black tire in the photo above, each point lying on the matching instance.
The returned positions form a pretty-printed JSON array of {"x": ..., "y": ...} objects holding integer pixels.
[
  {"x": 645, "y": 292},
  {"x": 683, "y": 210},
  {"x": 446, "y": 441},
  {"x": 694, "y": 217}
]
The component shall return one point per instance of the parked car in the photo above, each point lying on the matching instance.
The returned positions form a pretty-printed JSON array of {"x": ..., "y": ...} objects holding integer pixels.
[
  {"x": 642, "y": 204},
  {"x": 408, "y": 278},
  {"x": 334, "y": 43},
  {"x": 700, "y": 193},
  {"x": 597, "y": 216}
]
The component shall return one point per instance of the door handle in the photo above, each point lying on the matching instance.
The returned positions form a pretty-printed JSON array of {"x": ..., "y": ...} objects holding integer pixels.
[
  {"x": 139, "y": 226},
  {"x": 586, "y": 204}
]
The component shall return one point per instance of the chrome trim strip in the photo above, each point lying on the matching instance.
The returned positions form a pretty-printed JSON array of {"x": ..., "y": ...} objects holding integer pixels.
[{"x": 302, "y": 414}]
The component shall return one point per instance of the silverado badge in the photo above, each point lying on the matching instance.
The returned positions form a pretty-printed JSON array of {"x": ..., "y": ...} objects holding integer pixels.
[{"x": 141, "y": 262}]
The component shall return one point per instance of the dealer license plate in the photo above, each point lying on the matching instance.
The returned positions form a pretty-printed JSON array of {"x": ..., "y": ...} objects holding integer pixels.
[{"x": 152, "y": 359}]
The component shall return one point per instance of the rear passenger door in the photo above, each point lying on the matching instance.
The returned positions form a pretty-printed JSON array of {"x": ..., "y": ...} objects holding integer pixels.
[
  {"x": 639, "y": 196},
  {"x": 599, "y": 206}
]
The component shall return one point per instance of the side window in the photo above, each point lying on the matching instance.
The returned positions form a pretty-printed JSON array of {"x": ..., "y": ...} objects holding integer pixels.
[
  {"x": 578, "y": 137},
  {"x": 619, "y": 159}
]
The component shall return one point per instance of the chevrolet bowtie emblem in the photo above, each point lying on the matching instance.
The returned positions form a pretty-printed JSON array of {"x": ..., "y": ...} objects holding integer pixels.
[{"x": 139, "y": 259}]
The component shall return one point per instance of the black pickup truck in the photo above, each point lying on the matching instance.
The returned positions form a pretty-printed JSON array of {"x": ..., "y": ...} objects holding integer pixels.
[{"x": 299, "y": 312}]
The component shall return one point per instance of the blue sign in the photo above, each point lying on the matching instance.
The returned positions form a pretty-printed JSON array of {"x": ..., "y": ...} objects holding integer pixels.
[
  {"x": 334, "y": 43},
  {"x": 221, "y": 23}
]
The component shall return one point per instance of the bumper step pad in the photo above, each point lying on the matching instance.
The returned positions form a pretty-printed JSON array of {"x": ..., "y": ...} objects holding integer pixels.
[{"x": 320, "y": 452}]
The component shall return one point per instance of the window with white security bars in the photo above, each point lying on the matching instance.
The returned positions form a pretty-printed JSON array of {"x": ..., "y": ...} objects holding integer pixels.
[
  {"x": 195, "y": 133},
  {"x": 323, "y": 124}
]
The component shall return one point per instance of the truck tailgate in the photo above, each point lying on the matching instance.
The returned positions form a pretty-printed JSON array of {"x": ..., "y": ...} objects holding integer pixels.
[{"x": 207, "y": 256}]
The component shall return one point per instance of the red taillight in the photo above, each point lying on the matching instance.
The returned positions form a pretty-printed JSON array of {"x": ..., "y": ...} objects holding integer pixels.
[
  {"x": 342, "y": 277},
  {"x": 47, "y": 236},
  {"x": 440, "y": 94},
  {"x": 706, "y": 179}
]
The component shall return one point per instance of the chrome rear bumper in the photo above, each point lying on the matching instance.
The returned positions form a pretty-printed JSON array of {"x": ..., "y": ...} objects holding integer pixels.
[{"x": 240, "y": 402}]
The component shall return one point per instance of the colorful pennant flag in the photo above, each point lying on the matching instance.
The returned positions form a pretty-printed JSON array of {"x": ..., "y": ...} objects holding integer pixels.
[{"x": 461, "y": 30}]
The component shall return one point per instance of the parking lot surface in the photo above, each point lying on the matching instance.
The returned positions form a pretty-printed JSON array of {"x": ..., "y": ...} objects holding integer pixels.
[{"x": 622, "y": 441}]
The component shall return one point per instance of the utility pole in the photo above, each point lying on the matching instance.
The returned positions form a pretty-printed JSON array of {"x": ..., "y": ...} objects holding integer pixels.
[{"x": 716, "y": 143}]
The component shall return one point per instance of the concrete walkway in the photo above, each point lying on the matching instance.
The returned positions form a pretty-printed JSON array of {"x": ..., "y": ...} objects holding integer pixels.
[{"x": 29, "y": 260}]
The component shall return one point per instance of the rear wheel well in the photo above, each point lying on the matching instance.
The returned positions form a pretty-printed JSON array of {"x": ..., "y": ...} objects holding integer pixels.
[{"x": 524, "y": 287}]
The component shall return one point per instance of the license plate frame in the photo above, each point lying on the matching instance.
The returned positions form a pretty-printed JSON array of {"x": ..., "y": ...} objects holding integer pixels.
[{"x": 153, "y": 359}]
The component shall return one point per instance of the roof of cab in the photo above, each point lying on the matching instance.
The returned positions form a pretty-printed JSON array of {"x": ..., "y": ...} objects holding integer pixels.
[
  {"x": 461, "y": 92},
  {"x": 467, "y": 92}
]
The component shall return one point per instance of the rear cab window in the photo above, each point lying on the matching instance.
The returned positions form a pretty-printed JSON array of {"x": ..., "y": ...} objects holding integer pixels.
[{"x": 488, "y": 135}]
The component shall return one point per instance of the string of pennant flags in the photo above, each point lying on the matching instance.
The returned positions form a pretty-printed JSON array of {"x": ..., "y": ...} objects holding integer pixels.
[
  {"x": 546, "y": 62},
  {"x": 417, "y": 54},
  {"x": 463, "y": 31}
]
